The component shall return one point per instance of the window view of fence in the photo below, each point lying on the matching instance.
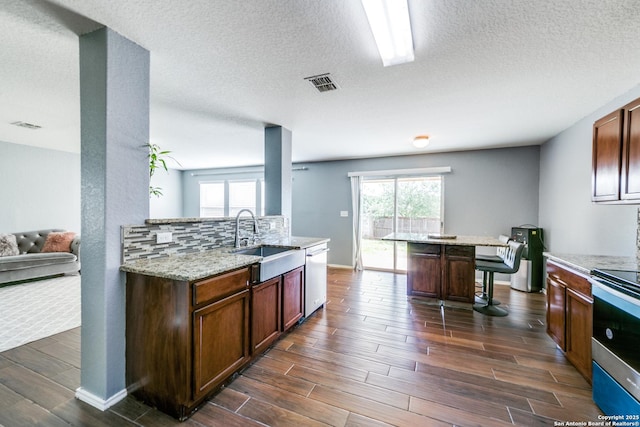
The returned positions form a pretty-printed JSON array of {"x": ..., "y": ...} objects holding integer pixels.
[{"x": 402, "y": 205}]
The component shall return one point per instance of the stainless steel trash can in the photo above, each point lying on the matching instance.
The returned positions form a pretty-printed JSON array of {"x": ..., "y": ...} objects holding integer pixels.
[{"x": 521, "y": 280}]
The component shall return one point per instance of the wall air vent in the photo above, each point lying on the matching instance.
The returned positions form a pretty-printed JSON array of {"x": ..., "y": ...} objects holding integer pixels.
[
  {"x": 322, "y": 82},
  {"x": 26, "y": 125}
]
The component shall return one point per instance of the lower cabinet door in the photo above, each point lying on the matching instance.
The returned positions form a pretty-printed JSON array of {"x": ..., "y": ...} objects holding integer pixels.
[
  {"x": 220, "y": 341},
  {"x": 292, "y": 297},
  {"x": 555, "y": 311},
  {"x": 265, "y": 314},
  {"x": 459, "y": 270},
  {"x": 579, "y": 331},
  {"x": 424, "y": 270}
]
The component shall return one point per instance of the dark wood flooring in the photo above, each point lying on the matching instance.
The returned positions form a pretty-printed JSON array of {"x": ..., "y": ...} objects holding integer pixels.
[{"x": 372, "y": 357}]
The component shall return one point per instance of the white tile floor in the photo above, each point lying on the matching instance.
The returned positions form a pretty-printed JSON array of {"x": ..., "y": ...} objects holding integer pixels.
[{"x": 35, "y": 310}]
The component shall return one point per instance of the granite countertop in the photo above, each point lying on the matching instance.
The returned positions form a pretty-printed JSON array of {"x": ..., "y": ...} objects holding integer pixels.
[
  {"x": 587, "y": 263},
  {"x": 198, "y": 265},
  {"x": 459, "y": 240}
]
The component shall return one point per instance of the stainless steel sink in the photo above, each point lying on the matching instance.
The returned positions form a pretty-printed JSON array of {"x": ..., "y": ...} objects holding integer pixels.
[
  {"x": 275, "y": 261},
  {"x": 263, "y": 251}
]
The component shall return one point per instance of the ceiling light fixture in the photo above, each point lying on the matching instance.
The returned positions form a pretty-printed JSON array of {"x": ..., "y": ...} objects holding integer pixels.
[
  {"x": 421, "y": 141},
  {"x": 389, "y": 22}
]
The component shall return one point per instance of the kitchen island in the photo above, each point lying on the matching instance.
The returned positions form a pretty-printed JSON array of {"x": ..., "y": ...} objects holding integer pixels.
[
  {"x": 442, "y": 266},
  {"x": 194, "y": 320}
]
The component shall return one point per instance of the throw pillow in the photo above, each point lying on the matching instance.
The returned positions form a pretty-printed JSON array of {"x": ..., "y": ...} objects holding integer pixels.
[
  {"x": 8, "y": 245},
  {"x": 58, "y": 241}
]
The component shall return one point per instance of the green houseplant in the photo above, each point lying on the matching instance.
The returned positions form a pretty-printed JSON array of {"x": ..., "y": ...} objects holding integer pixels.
[{"x": 157, "y": 160}]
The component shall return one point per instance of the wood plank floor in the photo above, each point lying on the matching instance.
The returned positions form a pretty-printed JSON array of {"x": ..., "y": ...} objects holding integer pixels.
[{"x": 372, "y": 357}]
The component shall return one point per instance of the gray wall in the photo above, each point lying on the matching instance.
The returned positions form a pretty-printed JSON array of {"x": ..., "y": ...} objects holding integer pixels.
[
  {"x": 169, "y": 205},
  {"x": 572, "y": 223},
  {"x": 40, "y": 188},
  {"x": 487, "y": 193}
]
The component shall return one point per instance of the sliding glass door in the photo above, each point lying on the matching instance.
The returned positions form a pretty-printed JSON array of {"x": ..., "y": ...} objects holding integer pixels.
[{"x": 399, "y": 204}]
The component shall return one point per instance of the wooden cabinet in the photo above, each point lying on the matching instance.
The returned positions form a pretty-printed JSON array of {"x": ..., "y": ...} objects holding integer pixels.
[
  {"x": 424, "y": 270},
  {"x": 292, "y": 297},
  {"x": 185, "y": 339},
  {"x": 556, "y": 297},
  {"x": 615, "y": 173},
  {"x": 441, "y": 271},
  {"x": 630, "y": 180},
  {"x": 220, "y": 341},
  {"x": 570, "y": 314},
  {"x": 607, "y": 149},
  {"x": 459, "y": 273},
  {"x": 579, "y": 312},
  {"x": 266, "y": 315}
]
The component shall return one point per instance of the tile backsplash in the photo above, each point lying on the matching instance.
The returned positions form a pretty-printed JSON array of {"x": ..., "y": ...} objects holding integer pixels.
[{"x": 194, "y": 235}]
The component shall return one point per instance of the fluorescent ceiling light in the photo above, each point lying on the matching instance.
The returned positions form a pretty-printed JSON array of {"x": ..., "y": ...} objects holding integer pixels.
[{"x": 389, "y": 22}]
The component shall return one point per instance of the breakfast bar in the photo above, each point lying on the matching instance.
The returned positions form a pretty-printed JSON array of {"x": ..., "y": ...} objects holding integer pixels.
[{"x": 442, "y": 266}]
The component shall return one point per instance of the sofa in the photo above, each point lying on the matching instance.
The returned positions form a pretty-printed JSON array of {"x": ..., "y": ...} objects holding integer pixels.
[{"x": 39, "y": 254}]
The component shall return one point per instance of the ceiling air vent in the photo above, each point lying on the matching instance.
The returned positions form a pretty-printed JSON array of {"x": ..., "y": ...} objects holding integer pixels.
[
  {"x": 322, "y": 82},
  {"x": 26, "y": 125}
]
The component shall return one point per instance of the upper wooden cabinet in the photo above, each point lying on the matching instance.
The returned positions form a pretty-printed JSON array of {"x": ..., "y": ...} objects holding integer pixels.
[
  {"x": 615, "y": 173},
  {"x": 607, "y": 147},
  {"x": 630, "y": 180}
]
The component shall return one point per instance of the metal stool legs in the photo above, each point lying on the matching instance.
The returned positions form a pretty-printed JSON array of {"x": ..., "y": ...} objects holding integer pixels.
[
  {"x": 489, "y": 307},
  {"x": 482, "y": 298}
]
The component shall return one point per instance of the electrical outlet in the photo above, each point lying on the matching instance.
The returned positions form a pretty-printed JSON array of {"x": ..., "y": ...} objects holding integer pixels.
[
  {"x": 272, "y": 226},
  {"x": 165, "y": 237},
  {"x": 344, "y": 213}
]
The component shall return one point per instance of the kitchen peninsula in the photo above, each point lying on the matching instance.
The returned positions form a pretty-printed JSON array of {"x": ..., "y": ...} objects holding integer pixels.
[
  {"x": 442, "y": 266},
  {"x": 199, "y": 309}
]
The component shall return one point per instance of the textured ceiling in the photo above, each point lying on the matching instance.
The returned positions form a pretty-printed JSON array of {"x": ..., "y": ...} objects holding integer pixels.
[{"x": 488, "y": 73}]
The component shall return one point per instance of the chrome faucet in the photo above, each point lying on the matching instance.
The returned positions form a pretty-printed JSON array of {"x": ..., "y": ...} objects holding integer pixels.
[{"x": 255, "y": 227}]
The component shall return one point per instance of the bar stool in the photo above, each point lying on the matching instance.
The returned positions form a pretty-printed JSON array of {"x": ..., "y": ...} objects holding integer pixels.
[
  {"x": 510, "y": 265},
  {"x": 498, "y": 257}
]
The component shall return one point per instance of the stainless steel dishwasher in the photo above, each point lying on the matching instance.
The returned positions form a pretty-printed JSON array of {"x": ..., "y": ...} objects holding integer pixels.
[{"x": 315, "y": 278}]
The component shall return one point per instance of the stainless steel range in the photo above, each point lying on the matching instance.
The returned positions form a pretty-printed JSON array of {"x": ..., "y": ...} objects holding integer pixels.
[{"x": 616, "y": 342}]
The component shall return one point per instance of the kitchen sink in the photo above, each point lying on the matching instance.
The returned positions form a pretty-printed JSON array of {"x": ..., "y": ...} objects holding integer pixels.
[
  {"x": 263, "y": 251},
  {"x": 275, "y": 261}
]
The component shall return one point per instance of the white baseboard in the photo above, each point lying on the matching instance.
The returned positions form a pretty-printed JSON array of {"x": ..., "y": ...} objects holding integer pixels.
[
  {"x": 350, "y": 267},
  {"x": 97, "y": 402}
]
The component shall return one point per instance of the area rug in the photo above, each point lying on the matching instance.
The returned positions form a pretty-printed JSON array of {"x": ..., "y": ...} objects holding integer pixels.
[{"x": 34, "y": 310}]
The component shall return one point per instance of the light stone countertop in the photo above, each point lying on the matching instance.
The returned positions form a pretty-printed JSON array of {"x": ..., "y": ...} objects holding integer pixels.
[
  {"x": 587, "y": 263},
  {"x": 199, "y": 265},
  {"x": 459, "y": 240}
]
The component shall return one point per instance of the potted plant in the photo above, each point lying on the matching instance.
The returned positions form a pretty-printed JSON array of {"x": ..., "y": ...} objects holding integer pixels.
[{"x": 157, "y": 160}]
